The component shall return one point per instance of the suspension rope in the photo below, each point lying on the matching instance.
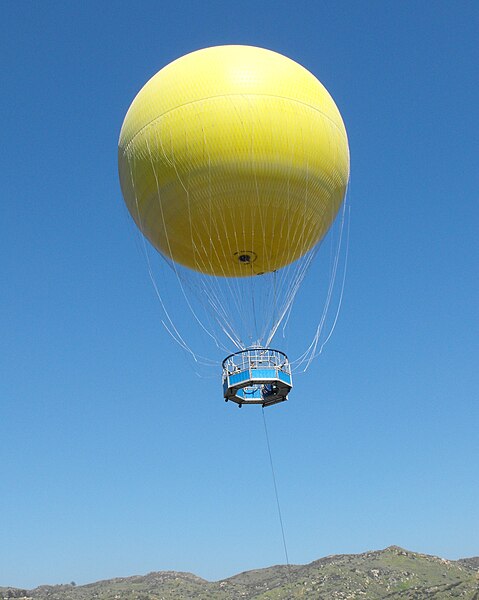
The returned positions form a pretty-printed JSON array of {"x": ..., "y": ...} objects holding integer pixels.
[
  {"x": 312, "y": 351},
  {"x": 278, "y": 505}
]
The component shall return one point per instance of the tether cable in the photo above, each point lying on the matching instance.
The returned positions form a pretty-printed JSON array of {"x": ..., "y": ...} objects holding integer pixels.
[{"x": 278, "y": 505}]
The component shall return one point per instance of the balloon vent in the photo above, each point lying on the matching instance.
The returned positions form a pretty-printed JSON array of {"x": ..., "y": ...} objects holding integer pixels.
[
  {"x": 257, "y": 376},
  {"x": 245, "y": 257}
]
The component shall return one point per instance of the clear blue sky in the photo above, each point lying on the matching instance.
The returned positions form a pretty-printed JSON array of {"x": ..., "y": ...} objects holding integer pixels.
[{"x": 115, "y": 458}]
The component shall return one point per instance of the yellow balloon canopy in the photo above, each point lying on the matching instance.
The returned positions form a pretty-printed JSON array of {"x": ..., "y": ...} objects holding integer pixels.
[{"x": 233, "y": 161}]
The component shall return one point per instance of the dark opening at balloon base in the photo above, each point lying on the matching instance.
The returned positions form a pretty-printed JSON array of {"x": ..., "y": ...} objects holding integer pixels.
[{"x": 257, "y": 376}]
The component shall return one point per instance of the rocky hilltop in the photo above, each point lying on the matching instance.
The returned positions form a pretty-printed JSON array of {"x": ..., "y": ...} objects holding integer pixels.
[{"x": 392, "y": 574}]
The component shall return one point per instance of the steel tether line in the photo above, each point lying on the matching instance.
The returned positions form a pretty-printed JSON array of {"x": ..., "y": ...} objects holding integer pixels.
[{"x": 278, "y": 505}]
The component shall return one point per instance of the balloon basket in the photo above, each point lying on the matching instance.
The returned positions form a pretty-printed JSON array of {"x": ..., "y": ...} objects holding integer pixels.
[{"x": 256, "y": 376}]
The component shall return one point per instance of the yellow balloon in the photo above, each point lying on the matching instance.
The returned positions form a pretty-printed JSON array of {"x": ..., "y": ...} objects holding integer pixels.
[{"x": 233, "y": 161}]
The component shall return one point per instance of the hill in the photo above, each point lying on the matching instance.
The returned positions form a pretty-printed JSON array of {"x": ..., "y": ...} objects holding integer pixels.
[{"x": 392, "y": 574}]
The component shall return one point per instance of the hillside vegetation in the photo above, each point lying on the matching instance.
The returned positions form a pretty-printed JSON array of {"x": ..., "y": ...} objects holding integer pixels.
[{"x": 392, "y": 574}]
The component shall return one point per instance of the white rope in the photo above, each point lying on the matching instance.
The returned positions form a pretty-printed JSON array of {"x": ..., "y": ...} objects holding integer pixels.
[{"x": 311, "y": 352}]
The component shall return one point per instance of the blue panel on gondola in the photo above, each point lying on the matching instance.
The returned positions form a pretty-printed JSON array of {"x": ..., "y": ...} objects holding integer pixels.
[
  {"x": 263, "y": 373},
  {"x": 238, "y": 377},
  {"x": 284, "y": 377},
  {"x": 249, "y": 394}
]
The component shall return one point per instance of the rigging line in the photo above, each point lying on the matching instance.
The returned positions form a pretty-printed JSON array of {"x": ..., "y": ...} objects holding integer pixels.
[
  {"x": 293, "y": 290},
  {"x": 237, "y": 286},
  {"x": 277, "y": 501},
  {"x": 296, "y": 278},
  {"x": 261, "y": 217},
  {"x": 171, "y": 328},
  {"x": 173, "y": 331},
  {"x": 223, "y": 290},
  {"x": 211, "y": 285},
  {"x": 177, "y": 337},
  {"x": 312, "y": 347},
  {"x": 308, "y": 260},
  {"x": 172, "y": 262},
  {"x": 299, "y": 237},
  {"x": 311, "y": 352},
  {"x": 275, "y": 296},
  {"x": 340, "y": 297}
]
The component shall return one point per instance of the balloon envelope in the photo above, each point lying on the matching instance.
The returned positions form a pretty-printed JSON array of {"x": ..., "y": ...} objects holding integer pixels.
[{"x": 233, "y": 161}]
